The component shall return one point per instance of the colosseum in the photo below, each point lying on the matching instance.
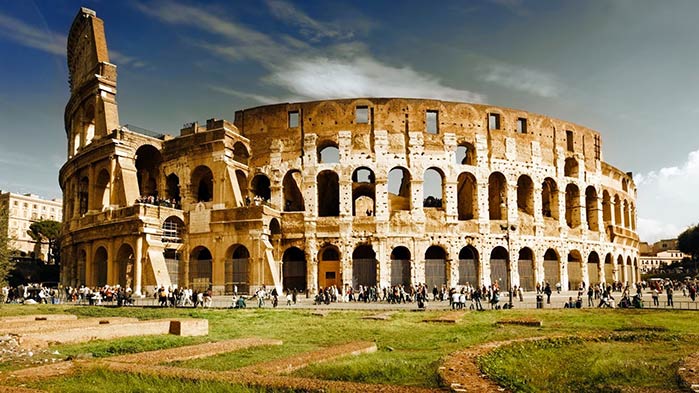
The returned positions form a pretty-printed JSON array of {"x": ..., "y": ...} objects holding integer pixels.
[{"x": 366, "y": 191}]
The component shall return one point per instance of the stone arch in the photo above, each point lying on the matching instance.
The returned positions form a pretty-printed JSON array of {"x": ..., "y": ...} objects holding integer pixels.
[
  {"x": 549, "y": 198},
  {"x": 497, "y": 196},
  {"x": 83, "y": 194},
  {"x": 148, "y": 160},
  {"x": 200, "y": 263},
  {"x": 624, "y": 184},
  {"x": 633, "y": 217},
  {"x": 609, "y": 268},
  {"x": 102, "y": 190},
  {"x": 328, "y": 153},
  {"x": 625, "y": 204},
  {"x": 237, "y": 270},
  {"x": 465, "y": 154},
  {"x": 240, "y": 153},
  {"x": 400, "y": 266},
  {"x": 620, "y": 270},
  {"x": 125, "y": 265},
  {"x": 293, "y": 197},
  {"x": 399, "y": 192},
  {"x": 467, "y": 202},
  {"x": 294, "y": 270},
  {"x": 329, "y": 267},
  {"x": 606, "y": 208},
  {"x": 242, "y": 179},
  {"x": 570, "y": 168},
  {"x": 575, "y": 272},
  {"x": 628, "y": 271},
  {"x": 81, "y": 262},
  {"x": 525, "y": 195},
  {"x": 433, "y": 188},
  {"x": 364, "y": 266},
  {"x": 469, "y": 269},
  {"x": 363, "y": 192},
  {"x": 526, "y": 268},
  {"x": 435, "y": 267},
  {"x": 99, "y": 267},
  {"x": 261, "y": 187},
  {"x": 592, "y": 208},
  {"x": 500, "y": 268},
  {"x": 275, "y": 228},
  {"x": 328, "y": 194},
  {"x": 172, "y": 183},
  {"x": 572, "y": 206},
  {"x": 202, "y": 184},
  {"x": 593, "y": 268},
  {"x": 617, "y": 211},
  {"x": 552, "y": 268}
]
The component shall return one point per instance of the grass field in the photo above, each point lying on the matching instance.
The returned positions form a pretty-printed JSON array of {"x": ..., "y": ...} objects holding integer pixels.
[{"x": 602, "y": 350}]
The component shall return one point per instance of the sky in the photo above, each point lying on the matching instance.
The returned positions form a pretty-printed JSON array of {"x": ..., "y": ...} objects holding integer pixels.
[{"x": 627, "y": 69}]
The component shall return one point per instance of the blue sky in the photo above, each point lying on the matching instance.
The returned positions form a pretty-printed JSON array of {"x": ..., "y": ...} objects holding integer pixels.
[{"x": 625, "y": 68}]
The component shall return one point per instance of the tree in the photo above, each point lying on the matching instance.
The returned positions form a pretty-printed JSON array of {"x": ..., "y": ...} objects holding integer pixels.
[
  {"x": 50, "y": 231},
  {"x": 688, "y": 242},
  {"x": 6, "y": 251}
]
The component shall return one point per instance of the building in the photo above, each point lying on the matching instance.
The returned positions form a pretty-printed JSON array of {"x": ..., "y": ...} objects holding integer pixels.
[
  {"x": 24, "y": 209},
  {"x": 661, "y": 253},
  {"x": 337, "y": 192}
]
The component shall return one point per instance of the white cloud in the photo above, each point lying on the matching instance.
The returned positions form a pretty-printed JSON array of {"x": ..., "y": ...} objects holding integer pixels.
[
  {"x": 667, "y": 199},
  {"x": 523, "y": 79},
  {"x": 308, "y": 27},
  {"x": 47, "y": 41}
]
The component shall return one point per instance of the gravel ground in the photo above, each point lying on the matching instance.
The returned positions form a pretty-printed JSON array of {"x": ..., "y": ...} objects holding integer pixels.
[{"x": 11, "y": 351}]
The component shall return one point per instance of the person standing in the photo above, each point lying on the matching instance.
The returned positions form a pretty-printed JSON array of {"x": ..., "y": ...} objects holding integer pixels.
[
  {"x": 547, "y": 291},
  {"x": 669, "y": 292}
]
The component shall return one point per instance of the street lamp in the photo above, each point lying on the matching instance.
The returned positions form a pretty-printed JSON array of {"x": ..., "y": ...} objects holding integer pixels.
[{"x": 507, "y": 228}]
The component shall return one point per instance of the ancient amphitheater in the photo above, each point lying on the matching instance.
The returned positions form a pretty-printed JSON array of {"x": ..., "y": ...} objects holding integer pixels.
[{"x": 367, "y": 191}]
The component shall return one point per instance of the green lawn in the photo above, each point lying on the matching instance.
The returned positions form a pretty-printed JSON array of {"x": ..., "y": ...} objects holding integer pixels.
[{"x": 409, "y": 350}]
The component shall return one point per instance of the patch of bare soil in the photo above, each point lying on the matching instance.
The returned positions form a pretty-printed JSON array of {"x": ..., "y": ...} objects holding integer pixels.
[
  {"x": 688, "y": 372},
  {"x": 520, "y": 321},
  {"x": 296, "y": 362},
  {"x": 450, "y": 317}
]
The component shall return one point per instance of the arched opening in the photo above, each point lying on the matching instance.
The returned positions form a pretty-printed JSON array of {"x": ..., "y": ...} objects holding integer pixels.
[
  {"x": 125, "y": 266},
  {"x": 525, "y": 195},
  {"x": 549, "y": 198},
  {"x": 621, "y": 270},
  {"x": 148, "y": 159},
  {"x": 294, "y": 270},
  {"x": 172, "y": 182},
  {"x": 526, "y": 269},
  {"x": 609, "y": 269},
  {"x": 571, "y": 167},
  {"x": 606, "y": 208},
  {"x": 593, "y": 268},
  {"x": 626, "y": 214},
  {"x": 202, "y": 184},
  {"x": 240, "y": 153},
  {"x": 465, "y": 154},
  {"x": 572, "y": 206},
  {"x": 624, "y": 185},
  {"x": 83, "y": 194},
  {"x": 102, "y": 190},
  {"x": 435, "y": 267},
  {"x": 552, "y": 272},
  {"x": 328, "y": 194},
  {"x": 468, "y": 266},
  {"x": 399, "y": 194},
  {"x": 497, "y": 196},
  {"x": 275, "y": 229},
  {"x": 633, "y": 217},
  {"x": 500, "y": 268},
  {"x": 173, "y": 258},
  {"x": 99, "y": 267},
  {"x": 628, "y": 272},
  {"x": 433, "y": 188},
  {"x": 173, "y": 230},
  {"x": 260, "y": 187},
  {"x": 237, "y": 270},
  {"x": 363, "y": 192},
  {"x": 575, "y": 276},
  {"x": 591, "y": 209},
  {"x": 242, "y": 179},
  {"x": 617, "y": 211},
  {"x": 329, "y": 272},
  {"x": 363, "y": 266},
  {"x": 293, "y": 198},
  {"x": 467, "y": 196},
  {"x": 328, "y": 153},
  {"x": 88, "y": 124},
  {"x": 200, "y": 261},
  {"x": 400, "y": 266}
]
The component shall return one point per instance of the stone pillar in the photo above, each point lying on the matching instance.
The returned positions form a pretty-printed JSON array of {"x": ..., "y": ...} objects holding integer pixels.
[
  {"x": 346, "y": 202},
  {"x": 89, "y": 257},
  {"x": 91, "y": 188},
  {"x": 451, "y": 199},
  {"x": 484, "y": 262},
  {"x": 416, "y": 186},
  {"x": 138, "y": 267},
  {"x": 112, "y": 271},
  {"x": 381, "y": 209}
]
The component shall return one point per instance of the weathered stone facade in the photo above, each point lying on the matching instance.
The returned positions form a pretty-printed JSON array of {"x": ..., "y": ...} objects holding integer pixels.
[{"x": 307, "y": 195}]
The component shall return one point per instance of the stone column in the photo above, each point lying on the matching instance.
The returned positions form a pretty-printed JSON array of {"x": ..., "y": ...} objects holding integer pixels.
[{"x": 138, "y": 267}]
